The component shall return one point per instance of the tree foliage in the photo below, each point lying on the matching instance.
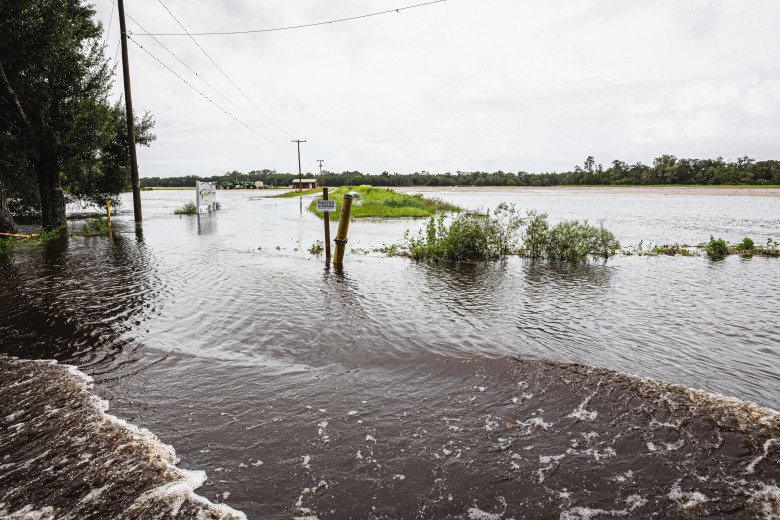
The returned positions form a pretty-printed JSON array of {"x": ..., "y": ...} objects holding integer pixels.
[
  {"x": 666, "y": 170},
  {"x": 57, "y": 127}
]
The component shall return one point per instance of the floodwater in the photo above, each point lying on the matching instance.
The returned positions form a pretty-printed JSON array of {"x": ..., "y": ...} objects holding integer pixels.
[{"x": 210, "y": 367}]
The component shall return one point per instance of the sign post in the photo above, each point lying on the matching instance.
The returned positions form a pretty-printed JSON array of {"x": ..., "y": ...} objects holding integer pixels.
[{"x": 326, "y": 206}]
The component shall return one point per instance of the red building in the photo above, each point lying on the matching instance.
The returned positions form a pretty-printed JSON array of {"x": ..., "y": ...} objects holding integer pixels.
[{"x": 304, "y": 184}]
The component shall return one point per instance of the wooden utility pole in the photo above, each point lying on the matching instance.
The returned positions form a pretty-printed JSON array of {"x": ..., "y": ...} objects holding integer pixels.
[
  {"x": 129, "y": 110},
  {"x": 300, "y": 177},
  {"x": 320, "y": 161}
]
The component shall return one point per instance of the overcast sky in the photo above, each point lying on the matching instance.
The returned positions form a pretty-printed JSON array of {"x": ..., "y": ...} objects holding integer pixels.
[{"x": 457, "y": 85}]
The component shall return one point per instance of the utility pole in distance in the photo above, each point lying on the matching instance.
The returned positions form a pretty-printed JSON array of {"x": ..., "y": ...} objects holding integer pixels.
[
  {"x": 129, "y": 109},
  {"x": 300, "y": 177},
  {"x": 320, "y": 161}
]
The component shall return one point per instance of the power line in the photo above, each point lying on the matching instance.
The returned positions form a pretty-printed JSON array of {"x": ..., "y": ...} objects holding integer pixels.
[
  {"x": 398, "y": 10},
  {"x": 202, "y": 94},
  {"x": 207, "y": 83},
  {"x": 110, "y": 21},
  {"x": 222, "y": 71}
]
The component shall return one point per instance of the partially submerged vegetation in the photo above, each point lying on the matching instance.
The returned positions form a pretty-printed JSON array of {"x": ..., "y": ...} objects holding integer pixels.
[
  {"x": 384, "y": 203},
  {"x": 188, "y": 209},
  {"x": 478, "y": 236},
  {"x": 715, "y": 248}
]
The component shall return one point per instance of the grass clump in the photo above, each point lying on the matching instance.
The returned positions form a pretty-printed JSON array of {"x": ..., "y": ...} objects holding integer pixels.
[
  {"x": 384, "y": 203},
  {"x": 95, "y": 225},
  {"x": 188, "y": 209},
  {"x": 316, "y": 248}
]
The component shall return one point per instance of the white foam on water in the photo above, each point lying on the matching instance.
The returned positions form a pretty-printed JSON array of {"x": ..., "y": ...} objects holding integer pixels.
[
  {"x": 635, "y": 502},
  {"x": 28, "y": 512},
  {"x": 581, "y": 414},
  {"x": 752, "y": 466},
  {"x": 767, "y": 498},
  {"x": 586, "y": 513},
  {"x": 477, "y": 514},
  {"x": 173, "y": 493},
  {"x": 306, "y": 460},
  {"x": 687, "y": 499},
  {"x": 399, "y": 477}
]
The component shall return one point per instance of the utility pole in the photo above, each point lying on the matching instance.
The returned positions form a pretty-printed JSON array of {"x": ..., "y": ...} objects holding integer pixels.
[
  {"x": 320, "y": 161},
  {"x": 129, "y": 110},
  {"x": 300, "y": 177}
]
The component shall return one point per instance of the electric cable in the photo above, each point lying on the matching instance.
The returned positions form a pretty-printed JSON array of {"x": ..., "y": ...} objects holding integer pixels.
[
  {"x": 223, "y": 72},
  {"x": 202, "y": 94},
  {"x": 254, "y": 31},
  {"x": 207, "y": 83}
]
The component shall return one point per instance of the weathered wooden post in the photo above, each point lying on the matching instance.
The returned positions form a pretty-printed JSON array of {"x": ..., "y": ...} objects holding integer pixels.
[{"x": 341, "y": 234}]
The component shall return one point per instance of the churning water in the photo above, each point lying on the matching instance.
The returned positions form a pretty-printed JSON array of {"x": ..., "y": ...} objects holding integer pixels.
[{"x": 246, "y": 377}]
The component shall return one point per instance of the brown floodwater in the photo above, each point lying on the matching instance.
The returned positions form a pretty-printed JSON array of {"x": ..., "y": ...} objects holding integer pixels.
[{"x": 211, "y": 367}]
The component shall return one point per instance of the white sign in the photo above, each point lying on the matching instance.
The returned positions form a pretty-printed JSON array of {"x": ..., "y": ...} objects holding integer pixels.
[
  {"x": 326, "y": 205},
  {"x": 206, "y": 195}
]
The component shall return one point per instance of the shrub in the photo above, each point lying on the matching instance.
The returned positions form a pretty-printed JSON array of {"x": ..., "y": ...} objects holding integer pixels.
[
  {"x": 568, "y": 241},
  {"x": 95, "y": 225},
  {"x": 470, "y": 236},
  {"x": 7, "y": 244},
  {"x": 717, "y": 248},
  {"x": 746, "y": 245},
  {"x": 188, "y": 209}
]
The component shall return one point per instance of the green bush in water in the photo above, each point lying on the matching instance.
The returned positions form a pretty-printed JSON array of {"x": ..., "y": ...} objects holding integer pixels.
[
  {"x": 568, "y": 241},
  {"x": 470, "y": 236},
  {"x": 188, "y": 209},
  {"x": 717, "y": 248},
  {"x": 746, "y": 245}
]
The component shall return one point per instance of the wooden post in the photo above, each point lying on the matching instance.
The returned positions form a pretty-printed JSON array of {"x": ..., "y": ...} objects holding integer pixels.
[
  {"x": 341, "y": 234},
  {"x": 108, "y": 212},
  {"x": 129, "y": 109},
  {"x": 326, "y": 218}
]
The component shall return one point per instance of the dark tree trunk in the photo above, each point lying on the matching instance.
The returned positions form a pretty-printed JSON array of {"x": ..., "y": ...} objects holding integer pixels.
[
  {"x": 7, "y": 224},
  {"x": 52, "y": 197},
  {"x": 47, "y": 167}
]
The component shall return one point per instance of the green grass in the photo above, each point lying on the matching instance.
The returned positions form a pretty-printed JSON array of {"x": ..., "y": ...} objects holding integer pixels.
[
  {"x": 296, "y": 193},
  {"x": 384, "y": 203}
]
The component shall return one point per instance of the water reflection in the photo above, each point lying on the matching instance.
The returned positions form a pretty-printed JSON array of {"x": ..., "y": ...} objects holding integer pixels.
[
  {"x": 76, "y": 299},
  {"x": 207, "y": 224}
]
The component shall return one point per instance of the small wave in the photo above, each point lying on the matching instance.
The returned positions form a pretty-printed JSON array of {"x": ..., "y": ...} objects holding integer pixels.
[{"x": 64, "y": 457}]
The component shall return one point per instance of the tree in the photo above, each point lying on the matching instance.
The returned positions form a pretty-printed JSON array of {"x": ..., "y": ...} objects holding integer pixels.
[{"x": 54, "y": 81}]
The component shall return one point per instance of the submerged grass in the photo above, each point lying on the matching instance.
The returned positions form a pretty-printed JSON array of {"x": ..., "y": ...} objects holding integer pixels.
[{"x": 384, "y": 203}]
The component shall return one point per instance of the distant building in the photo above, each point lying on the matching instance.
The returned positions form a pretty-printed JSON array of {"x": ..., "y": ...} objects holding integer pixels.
[
  {"x": 304, "y": 184},
  {"x": 258, "y": 184}
]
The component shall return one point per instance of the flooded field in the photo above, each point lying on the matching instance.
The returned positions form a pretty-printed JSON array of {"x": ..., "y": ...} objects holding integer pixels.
[{"x": 221, "y": 370}]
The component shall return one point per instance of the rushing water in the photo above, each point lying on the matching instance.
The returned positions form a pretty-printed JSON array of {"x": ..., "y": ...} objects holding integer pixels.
[{"x": 390, "y": 388}]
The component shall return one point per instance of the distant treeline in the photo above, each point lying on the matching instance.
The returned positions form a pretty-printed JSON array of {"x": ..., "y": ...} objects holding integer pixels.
[{"x": 664, "y": 170}]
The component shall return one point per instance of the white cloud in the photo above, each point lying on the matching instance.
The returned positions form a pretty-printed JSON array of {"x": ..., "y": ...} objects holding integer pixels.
[{"x": 460, "y": 85}]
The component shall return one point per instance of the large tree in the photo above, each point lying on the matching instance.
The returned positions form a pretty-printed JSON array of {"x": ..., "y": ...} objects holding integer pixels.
[{"x": 54, "y": 83}]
